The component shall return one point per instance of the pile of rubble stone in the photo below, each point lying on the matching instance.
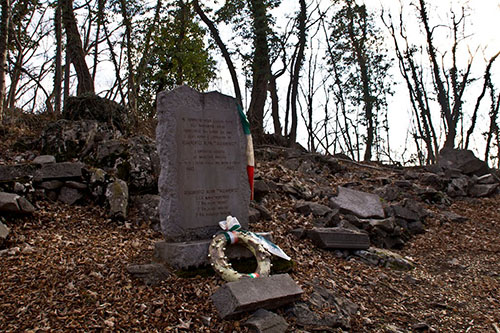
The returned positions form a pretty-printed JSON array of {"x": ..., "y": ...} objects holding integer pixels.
[{"x": 87, "y": 161}]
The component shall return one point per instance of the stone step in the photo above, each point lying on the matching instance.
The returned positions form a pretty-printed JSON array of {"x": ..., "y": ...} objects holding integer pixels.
[{"x": 251, "y": 294}]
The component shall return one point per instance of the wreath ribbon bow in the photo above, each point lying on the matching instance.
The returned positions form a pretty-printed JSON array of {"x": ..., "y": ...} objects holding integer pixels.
[{"x": 231, "y": 225}]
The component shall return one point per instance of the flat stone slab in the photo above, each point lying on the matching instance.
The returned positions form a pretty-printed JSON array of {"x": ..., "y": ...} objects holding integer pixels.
[
  {"x": 251, "y": 294},
  {"x": 19, "y": 172},
  {"x": 338, "y": 238},
  {"x": 263, "y": 321},
  {"x": 63, "y": 170},
  {"x": 361, "y": 204},
  {"x": 184, "y": 255}
]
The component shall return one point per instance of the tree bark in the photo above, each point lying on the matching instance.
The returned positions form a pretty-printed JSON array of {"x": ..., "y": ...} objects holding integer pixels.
[
  {"x": 4, "y": 42},
  {"x": 58, "y": 60},
  {"x": 296, "y": 70},
  {"x": 75, "y": 49},
  {"x": 260, "y": 67}
]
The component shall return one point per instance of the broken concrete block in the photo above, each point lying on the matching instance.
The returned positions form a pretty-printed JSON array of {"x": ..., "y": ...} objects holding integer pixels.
[
  {"x": 263, "y": 321},
  {"x": 251, "y": 294},
  {"x": 361, "y": 204},
  {"x": 338, "y": 238}
]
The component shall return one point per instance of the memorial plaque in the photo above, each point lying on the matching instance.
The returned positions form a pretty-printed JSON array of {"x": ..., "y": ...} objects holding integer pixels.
[{"x": 203, "y": 177}]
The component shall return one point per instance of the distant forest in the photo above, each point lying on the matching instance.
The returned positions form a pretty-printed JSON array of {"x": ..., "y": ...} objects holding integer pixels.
[{"x": 324, "y": 65}]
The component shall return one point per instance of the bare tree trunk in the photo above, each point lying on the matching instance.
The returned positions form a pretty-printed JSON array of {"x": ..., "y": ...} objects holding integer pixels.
[
  {"x": 131, "y": 86},
  {"x": 260, "y": 67},
  {"x": 58, "y": 62},
  {"x": 274, "y": 105},
  {"x": 100, "y": 14},
  {"x": 216, "y": 36},
  {"x": 368, "y": 99},
  {"x": 487, "y": 81},
  {"x": 74, "y": 46},
  {"x": 4, "y": 42},
  {"x": 292, "y": 137}
]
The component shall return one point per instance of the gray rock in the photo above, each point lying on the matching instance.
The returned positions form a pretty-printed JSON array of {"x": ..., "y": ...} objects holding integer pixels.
[
  {"x": 261, "y": 189},
  {"x": 19, "y": 188},
  {"x": 388, "y": 192},
  {"x": 263, "y": 321},
  {"x": 385, "y": 224},
  {"x": 14, "y": 203},
  {"x": 75, "y": 185},
  {"x": 464, "y": 160},
  {"x": 434, "y": 180},
  {"x": 52, "y": 184},
  {"x": 60, "y": 171},
  {"x": 338, "y": 238},
  {"x": 453, "y": 217},
  {"x": 44, "y": 159},
  {"x": 203, "y": 177},
  {"x": 403, "y": 183},
  {"x": 75, "y": 139},
  {"x": 482, "y": 190},
  {"x": 409, "y": 210},
  {"x": 253, "y": 215},
  {"x": 308, "y": 207},
  {"x": 308, "y": 319},
  {"x": 361, "y": 204},
  {"x": 4, "y": 232},
  {"x": 487, "y": 179},
  {"x": 386, "y": 258},
  {"x": 143, "y": 165},
  {"x": 69, "y": 195},
  {"x": 264, "y": 212},
  {"x": 416, "y": 227},
  {"x": 458, "y": 187},
  {"x": 117, "y": 196},
  {"x": 13, "y": 173},
  {"x": 403, "y": 212},
  {"x": 251, "y": 294},
  {"x": 147, "y": 205},
  {"x": 150, "y": 274}
]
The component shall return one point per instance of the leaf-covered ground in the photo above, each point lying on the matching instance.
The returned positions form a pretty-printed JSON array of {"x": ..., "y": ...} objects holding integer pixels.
[{"x": 66, "y": 270}]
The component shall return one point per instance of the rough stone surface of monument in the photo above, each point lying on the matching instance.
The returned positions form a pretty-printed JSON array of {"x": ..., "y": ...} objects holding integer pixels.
[{"x": 203, "y": 178}]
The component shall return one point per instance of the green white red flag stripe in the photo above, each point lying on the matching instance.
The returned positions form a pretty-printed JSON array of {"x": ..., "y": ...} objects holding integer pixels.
[{"x": 249, "y": 151}]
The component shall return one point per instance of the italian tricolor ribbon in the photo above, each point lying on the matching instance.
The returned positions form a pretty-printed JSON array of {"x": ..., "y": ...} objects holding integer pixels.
[{"x": 249, "y": 152}]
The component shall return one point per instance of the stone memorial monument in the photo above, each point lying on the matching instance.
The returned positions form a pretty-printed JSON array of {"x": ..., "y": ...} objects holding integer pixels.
[{"x": 203, "y": 177}]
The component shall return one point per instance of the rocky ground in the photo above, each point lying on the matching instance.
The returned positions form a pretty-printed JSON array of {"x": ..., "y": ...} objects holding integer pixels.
[{"x": 64, "y": 267}]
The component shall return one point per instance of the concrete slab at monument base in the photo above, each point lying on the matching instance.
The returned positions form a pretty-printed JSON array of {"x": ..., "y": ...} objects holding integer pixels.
[
  {"x": 251, "y": 294},
  {"x": 184, "y": 255}
]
